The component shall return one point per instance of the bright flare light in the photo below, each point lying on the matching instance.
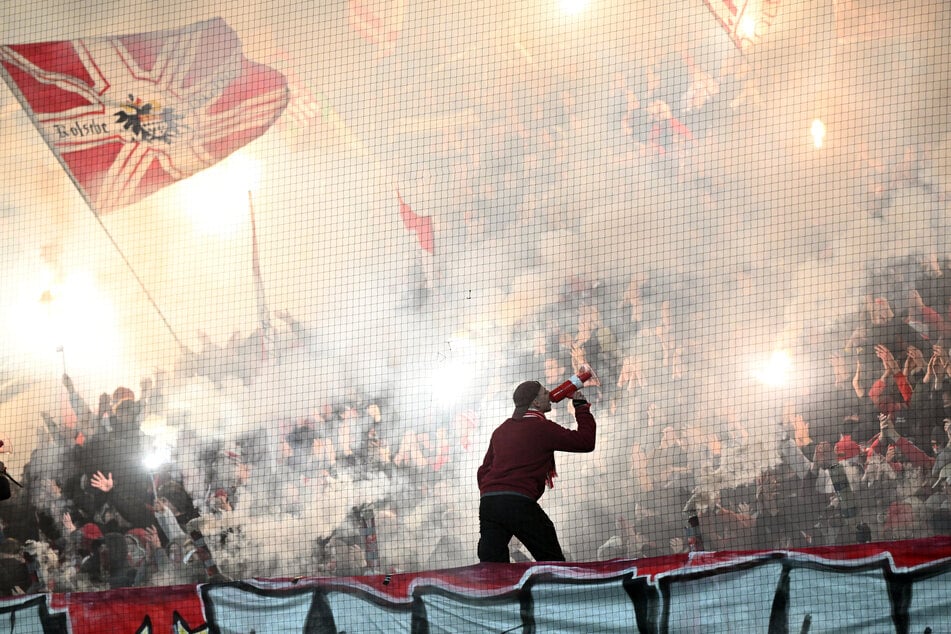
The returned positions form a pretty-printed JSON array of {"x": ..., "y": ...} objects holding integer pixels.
[
  {"x": 818, "y": 131},
  {"x": 154, "y": 460},
  {"x": 216, "y": 199},
  {"x": 72, "y": 314},
  {"x": 452, "y": 378},
  {"x": 747, "y": 26},
  {"x": 573, "y": 7},
  {"x": 163, "y": 439},
  {"x": 775, "y": 371}
]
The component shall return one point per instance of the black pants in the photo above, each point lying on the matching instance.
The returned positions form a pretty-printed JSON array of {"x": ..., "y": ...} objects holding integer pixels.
[{"x": 505, "y": 515}]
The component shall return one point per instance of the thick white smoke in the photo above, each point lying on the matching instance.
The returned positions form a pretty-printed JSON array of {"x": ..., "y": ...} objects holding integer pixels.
[{"x": 502, "y": 125}]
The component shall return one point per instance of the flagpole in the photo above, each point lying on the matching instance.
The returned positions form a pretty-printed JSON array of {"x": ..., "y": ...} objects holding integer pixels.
[
  {"x": 264, "y": 316},
  {"x": 138, "y": 279}
]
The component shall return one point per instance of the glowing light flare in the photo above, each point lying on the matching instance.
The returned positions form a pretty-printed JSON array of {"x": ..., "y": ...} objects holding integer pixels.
[
  {"x": 163, "y": 439},
  {"x": 573, "y": 7},
  {"x": 73, "y": 317},
  {"x": 215, "y": 200},
  {"x": 451, "y": 378},
  {"x": 154, "y": 459},
  {"x": 775, "y": 371},
  {"x": 747, "y": 26},
  {"x": 818, "y": 132}
]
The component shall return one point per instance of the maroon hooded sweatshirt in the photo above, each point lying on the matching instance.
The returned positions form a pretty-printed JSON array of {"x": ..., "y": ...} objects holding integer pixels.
[{"x": 521, "y": 457}]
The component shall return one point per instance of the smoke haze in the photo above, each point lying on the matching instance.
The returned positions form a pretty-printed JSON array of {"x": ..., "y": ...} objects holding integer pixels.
[{"x": 503, "y": 125}]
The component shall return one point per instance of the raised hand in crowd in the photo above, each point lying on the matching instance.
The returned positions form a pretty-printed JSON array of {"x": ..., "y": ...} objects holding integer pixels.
[
  {"x": 577, "y": 356},
  {"x": 152, "y": 536},
  {"x": 942, "y": 361},
  {"x": 824, "y": 456},
  {"x": 102, "y": 482},
  {"x": 937, "y": 367},
  {"x": 914, "y": 362},
  {"x": 906, "y": 450},
  {"x": 631, "y": 376},
  {"x": 889, "y": 363},
  {"x": 68, "y": 525},
  {"x": 887, "y": 428},
  {"x": 890, "y": 454},
  {"x": 857, "y": 386}
]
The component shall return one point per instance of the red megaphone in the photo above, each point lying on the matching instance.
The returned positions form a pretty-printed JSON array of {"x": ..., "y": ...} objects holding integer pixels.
[{"x": 569, "y": 387}]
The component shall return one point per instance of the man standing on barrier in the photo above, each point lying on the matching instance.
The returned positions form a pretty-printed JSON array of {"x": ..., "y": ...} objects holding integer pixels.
[{"x": 518, "y": 465}]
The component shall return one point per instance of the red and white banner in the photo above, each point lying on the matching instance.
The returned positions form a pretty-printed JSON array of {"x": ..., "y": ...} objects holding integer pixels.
[
  {"x": 889, "y": 587},
  {"x": 422, "y": 226},
  {"x": 745, "y": 21},
  {"x": 129, "y": 114}
]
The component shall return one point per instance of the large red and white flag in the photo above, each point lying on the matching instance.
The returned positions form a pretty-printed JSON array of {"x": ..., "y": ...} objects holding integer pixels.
[{"x": 129, "y": 114}]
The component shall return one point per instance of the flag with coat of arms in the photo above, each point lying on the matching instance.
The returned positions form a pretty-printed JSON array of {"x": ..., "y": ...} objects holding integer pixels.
[{"x": 127, "y": 115}]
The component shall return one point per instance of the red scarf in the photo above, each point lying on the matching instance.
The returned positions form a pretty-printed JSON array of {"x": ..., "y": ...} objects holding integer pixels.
[{"x": 552, "y": 473}]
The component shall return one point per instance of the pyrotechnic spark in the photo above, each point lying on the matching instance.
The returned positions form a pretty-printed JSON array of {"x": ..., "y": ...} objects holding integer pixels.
[
  {"x": 775, "y": 370},
  {"x": 818, "y": 131}
]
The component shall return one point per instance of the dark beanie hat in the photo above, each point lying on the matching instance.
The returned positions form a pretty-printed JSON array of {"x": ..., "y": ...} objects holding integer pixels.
[{"x": 524, "y": 394}]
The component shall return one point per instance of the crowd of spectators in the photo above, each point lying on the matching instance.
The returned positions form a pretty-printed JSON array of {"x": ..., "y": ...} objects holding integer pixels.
[
  {"x": 97, "y": 510},
  {"x": 860, "y": 457},
  {"x": 864, "y": 454},
  {"x": 868, "y": 459}
]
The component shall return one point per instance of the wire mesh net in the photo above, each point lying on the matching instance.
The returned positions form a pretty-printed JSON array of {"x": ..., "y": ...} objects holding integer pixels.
[{"x": 271, "y": 274}]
